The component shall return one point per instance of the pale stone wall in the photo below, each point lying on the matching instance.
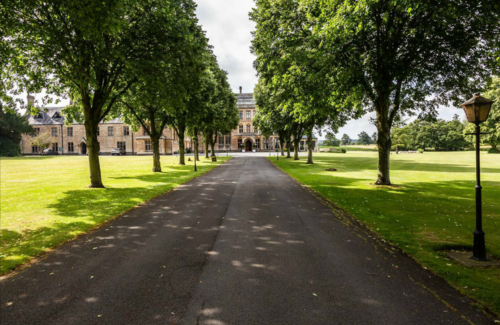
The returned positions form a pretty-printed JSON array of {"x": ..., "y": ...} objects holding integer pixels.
[{"x": 107, "y": 142}]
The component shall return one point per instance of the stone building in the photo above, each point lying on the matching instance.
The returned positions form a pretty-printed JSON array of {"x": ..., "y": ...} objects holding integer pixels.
[
  {"x": 71, "y": 139},
  {"x": 246, "y": 137}
]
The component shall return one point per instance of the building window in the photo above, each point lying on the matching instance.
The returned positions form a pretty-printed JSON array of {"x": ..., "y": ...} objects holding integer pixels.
[
  {"x": 37, "y": 132},
  {"x": 266, "y": 143},
  {"x": 71, "y": 147},
  {"x": 148, "y": 145},
  {"x": 126, "y": 130},
  {"x": 254, "y": 113},
  {"x": 249, "y": 116},
  {"x": 121, "y": 145},
  {"x": 228, "y": 140},
  {"x": 110, "y": 131},
  {"x": 257, "y": 143},
  {"x": 70, "y": 131},
  {"x": 240, "y": 143},
  {"x": 54, "y": 132},
  {"x": 248, "y": 128},
  {"x": 34, "y": 149},
  {"x": 241, "y": 115},
  {"x": 98, "y": 133},
  {"x": 55, "y": 147},
  {"x": 241, "y": 129}
]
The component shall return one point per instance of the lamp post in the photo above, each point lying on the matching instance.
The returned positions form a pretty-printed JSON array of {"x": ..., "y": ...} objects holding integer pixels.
[{"x": 477, "y": 110}]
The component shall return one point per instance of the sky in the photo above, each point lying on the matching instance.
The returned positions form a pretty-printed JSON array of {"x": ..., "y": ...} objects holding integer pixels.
[{"x": 229, "y": 28}]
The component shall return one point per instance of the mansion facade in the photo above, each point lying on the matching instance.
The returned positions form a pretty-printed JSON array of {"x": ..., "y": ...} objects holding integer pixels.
[
  {"x": 246, "y": 137},
  {"x": 71, "y": 139}
]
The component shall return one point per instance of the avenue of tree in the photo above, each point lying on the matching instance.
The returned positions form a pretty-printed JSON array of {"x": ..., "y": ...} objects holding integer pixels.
[
  {"x": 147, "y": 61},
  {"x": 322, "y": 62}
]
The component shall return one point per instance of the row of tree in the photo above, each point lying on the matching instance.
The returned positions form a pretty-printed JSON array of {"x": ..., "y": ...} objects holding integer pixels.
[
  {"x": 323, "y": 62},
  {"x": 146, "y": 60}
]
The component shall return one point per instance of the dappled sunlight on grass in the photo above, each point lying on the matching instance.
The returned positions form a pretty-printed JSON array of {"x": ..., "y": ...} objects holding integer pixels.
[
  {"x": 46, "y": 201},
  {"x": 431, "y": 206}
]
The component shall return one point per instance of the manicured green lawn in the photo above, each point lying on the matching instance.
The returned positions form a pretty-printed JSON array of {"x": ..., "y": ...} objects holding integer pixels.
[
  {"x": 432, "y": 207},
  {"x": 45, "y": 200}
]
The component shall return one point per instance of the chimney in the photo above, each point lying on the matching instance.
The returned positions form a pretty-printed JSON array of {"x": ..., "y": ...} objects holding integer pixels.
[
  {"x": 241, "y": 90},
  {"x": 31, "y": 100}
]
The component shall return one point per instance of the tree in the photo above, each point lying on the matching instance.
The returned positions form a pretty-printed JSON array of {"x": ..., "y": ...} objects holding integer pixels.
[
  {"x": 270, "y": 119},
  {"x": 42, "y": 141},
  {"x": 86, "y": 49},
  {"x": 12, "y": 127},
  {"x": 284, "y": 44},
  {"x": 364, "y": 138},
  {"x": 345, "y": 140},
  {"x": 403, "y": 56},
  {"x": 374, "y": 137},
  {"x": 221, "y": 114},
  {"x": 492, "y": 125},
  {"x": 331, "y": 140}
]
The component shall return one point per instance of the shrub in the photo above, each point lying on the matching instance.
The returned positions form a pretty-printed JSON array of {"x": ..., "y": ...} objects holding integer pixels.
[
  {"x": 420, "y": 150},
  {"x": 493, "y": 150},
  {"x": 343, "y": 150}
]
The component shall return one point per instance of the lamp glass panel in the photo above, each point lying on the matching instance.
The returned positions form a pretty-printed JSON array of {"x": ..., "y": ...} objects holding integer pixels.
[
  {"x": 484, "y": 111},
  {"x": 470, "y": 113}
]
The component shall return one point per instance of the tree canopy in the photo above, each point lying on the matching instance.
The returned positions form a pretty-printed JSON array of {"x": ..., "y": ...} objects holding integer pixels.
[{"x": 396, "y": 58}]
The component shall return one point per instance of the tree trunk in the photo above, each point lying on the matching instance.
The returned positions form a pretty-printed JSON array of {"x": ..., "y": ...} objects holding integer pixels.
[
  {"x": 206, "y": 147},
  {"x": 288, "y": 145},
  {"x": 309, "y": 149},
  {"x": 93, "y": 152},
  {"x": 213, "y": 140},
  {"x": 296, "y": 143},
  {"x": 384, "y": 150},
  {"x": 181, "y": 147},
  {"x": 281, "y": 147},
  {"x": 212, "y": 147},
  {"x": 155, "y": 143}
]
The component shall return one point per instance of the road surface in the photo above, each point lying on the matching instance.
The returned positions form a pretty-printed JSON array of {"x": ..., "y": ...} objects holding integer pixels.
[{"x": 242, "y": 244}]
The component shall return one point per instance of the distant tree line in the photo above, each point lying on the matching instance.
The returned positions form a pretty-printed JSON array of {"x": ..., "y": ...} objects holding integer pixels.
[{"x": 437, "y": 135}]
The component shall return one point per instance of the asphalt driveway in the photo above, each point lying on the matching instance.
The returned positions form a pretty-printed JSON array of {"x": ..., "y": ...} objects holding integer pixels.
[{"x": 242, "y": 244}]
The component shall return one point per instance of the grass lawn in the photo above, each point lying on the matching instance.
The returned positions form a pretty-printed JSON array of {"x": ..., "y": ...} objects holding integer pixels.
[
  {"x": 45, "y": 200},
  {"x": 353, "y": 148},
  {"x": 432, "y": 208}
]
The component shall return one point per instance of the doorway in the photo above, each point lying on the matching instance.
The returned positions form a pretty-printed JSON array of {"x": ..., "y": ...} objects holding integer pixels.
[
  {"x": 248, "y": 146},
  {"x": 83, "y": 148}
]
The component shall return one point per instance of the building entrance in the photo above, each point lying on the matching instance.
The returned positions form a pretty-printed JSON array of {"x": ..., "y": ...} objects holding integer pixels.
[
  {"x": 248, "y": 146},
  {"x": 83, "y": 148}
]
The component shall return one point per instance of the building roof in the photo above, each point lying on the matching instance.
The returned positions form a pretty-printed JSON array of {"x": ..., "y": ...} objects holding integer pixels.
[
  {"x": 54, "y": 116},
  {"x": 245, "y": 100}
]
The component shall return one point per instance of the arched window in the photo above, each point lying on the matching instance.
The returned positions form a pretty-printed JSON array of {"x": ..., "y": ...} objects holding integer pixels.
[
  {"x": 248, "y": 128},
  {"x": 241, "y": 128}
]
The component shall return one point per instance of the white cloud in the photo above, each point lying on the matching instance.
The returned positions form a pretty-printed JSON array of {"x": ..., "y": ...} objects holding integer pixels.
[{"x": 229, "y": 28}]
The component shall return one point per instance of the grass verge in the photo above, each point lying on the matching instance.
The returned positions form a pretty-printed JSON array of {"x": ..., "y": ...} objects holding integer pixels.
[
  {"x": 430, "y": 209},
  {"x": 45, "y": 200}
]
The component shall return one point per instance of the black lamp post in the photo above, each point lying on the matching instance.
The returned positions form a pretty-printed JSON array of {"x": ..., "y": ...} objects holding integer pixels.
[{"x": 477, "y": 110}]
